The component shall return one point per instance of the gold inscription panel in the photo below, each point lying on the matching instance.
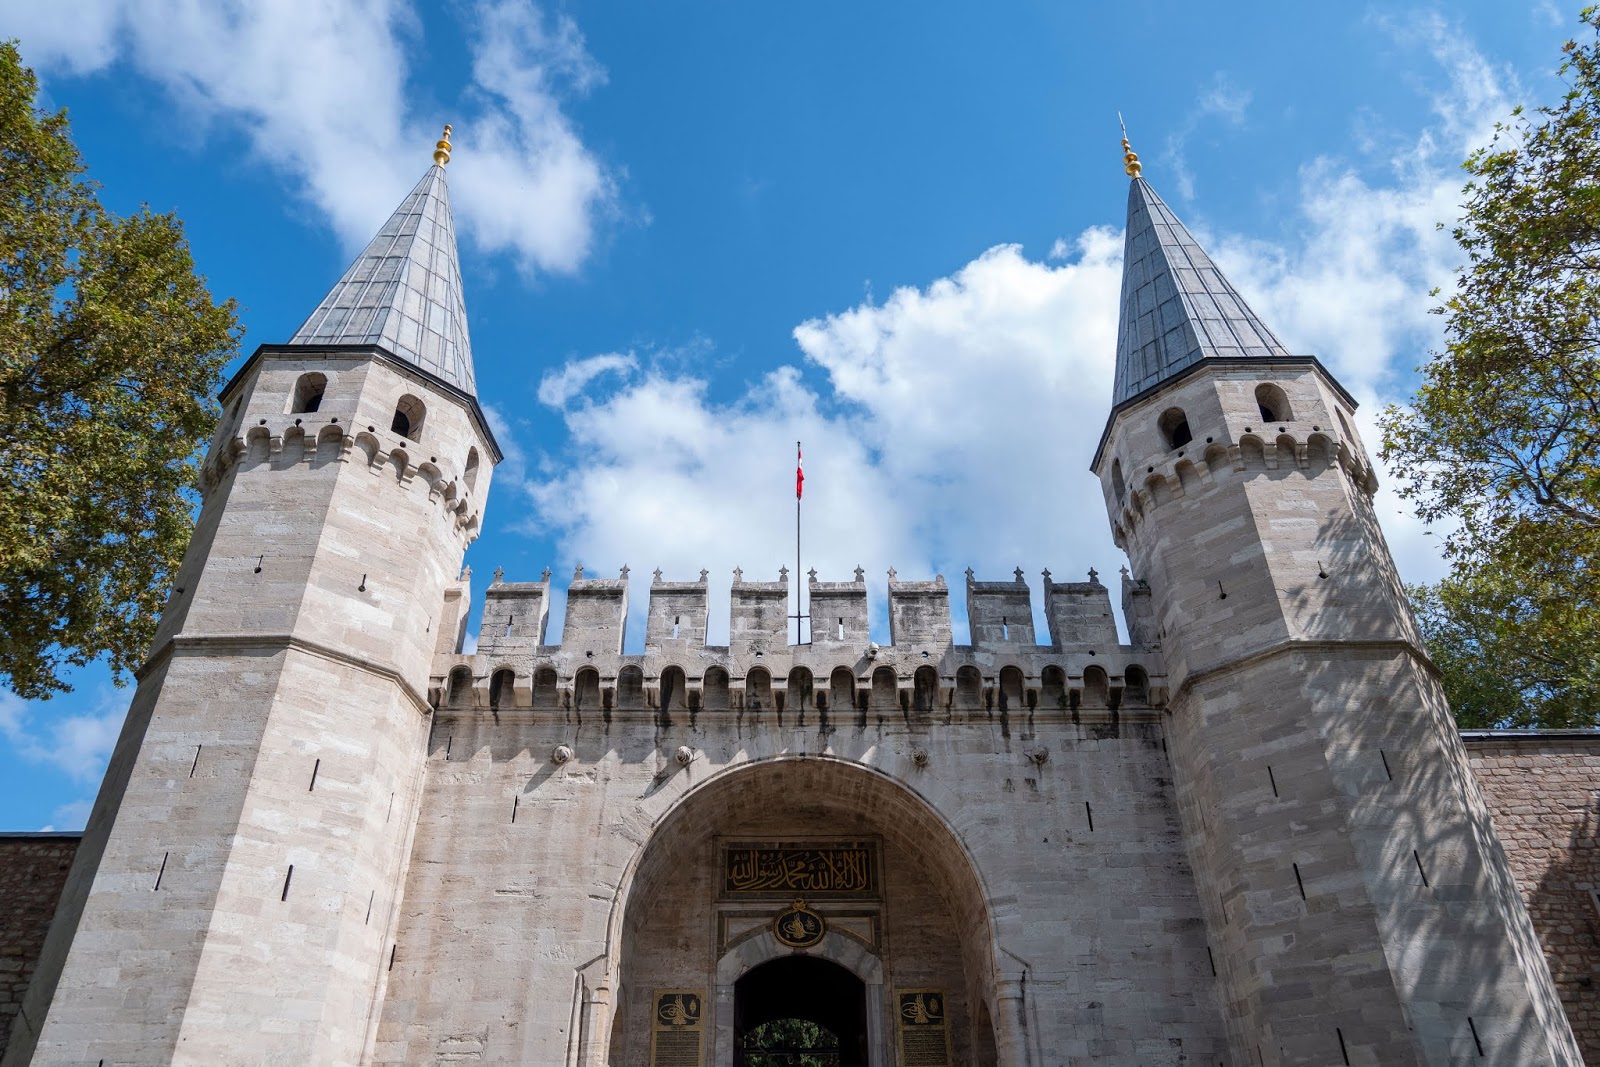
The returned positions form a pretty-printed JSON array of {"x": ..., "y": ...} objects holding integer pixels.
[
  {"x": 924, "y": 1037},
  {"x": 800, "y": 868},
  {"x": 677, "y": 1027}
]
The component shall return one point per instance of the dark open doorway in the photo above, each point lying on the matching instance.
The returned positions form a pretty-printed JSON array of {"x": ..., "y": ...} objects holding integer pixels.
[{"x": 800, "y": 1011}]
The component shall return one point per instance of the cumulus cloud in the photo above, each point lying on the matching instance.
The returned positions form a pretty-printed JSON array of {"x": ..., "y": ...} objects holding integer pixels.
[
  {"x": 77, "y": 744},
  {"x": 320, "y": 91},
  {"x": 941, "y": 440},
  {"x": 558, "y": 388},
  {"x": 951, "y": 423}
]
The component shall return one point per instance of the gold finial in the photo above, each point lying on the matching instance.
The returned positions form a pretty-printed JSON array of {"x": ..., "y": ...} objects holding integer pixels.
[
  {"x": 1130, "y": 158},
  {"x": 441, "y": 151}
]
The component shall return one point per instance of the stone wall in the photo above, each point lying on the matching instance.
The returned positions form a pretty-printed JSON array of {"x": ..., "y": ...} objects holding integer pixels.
[
  {"x": 33, "y": 867},
  {"x": 1543, "y": 789}
]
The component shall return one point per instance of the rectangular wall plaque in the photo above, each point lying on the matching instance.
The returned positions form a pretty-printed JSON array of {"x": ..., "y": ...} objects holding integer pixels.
[
  {"x": 800, "y": 868},
  {"x": 924, "y": 1037},
  {"x": 677, "y": 1027}
]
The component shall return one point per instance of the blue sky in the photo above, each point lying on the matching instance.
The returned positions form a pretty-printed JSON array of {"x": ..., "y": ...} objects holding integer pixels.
[{"x": 692, "y": 234}]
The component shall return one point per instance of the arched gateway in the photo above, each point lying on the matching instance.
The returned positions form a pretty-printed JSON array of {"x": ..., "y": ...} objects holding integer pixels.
[{"x": 801, "y": 888}]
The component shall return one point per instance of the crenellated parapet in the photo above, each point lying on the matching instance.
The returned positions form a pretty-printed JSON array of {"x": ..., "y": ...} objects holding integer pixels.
[
  {"x": 1273, "y": 419},
  {"x": 840, "y": 675},
  {"x": 364, "y": 411}
]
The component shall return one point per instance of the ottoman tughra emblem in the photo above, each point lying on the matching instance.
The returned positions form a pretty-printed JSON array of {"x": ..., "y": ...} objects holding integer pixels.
[
  {"x": 797, "y": 926},
  {"x": 676, "y": 1010}
]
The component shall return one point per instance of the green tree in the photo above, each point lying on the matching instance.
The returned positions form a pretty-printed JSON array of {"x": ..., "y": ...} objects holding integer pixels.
[
  {"x": 1511, "y": 658},
  {"x": 110, "y": 351},
  {"x": 1503, "y": 438}
]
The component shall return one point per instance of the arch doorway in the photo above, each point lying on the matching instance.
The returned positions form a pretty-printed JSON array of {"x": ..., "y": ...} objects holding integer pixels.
[
  {"x": 800, "y": 1010},
  {"x": 689, "y": 920}
]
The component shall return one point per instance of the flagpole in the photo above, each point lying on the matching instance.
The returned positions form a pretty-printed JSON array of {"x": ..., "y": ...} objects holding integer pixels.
[{"x": 799, "y": 607}]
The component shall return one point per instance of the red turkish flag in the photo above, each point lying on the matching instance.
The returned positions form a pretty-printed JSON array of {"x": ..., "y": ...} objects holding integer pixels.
[{"x": 799, "y": 472}]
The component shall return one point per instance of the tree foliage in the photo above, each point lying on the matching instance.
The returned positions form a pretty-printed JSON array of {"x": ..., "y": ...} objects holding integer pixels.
[
  {"x": 110, "y": 350},
  {"x": 791, "y": 1043},
  {"x": 1503, "y": 438},
  {"x": 1511, "y": 658}
]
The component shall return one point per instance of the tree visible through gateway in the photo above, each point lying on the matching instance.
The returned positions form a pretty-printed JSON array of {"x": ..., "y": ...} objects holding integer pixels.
[
  {"x": 791, "y": 1043},
  {"x": 800, "y": 1011}
]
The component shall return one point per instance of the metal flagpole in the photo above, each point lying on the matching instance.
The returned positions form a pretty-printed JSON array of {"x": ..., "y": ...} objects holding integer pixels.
[{"x": 799, "y": 605}]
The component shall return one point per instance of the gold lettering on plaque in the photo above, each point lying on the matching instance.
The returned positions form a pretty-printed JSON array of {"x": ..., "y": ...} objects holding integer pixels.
[
  {"x": 798, "y": 926},
  {"x": 924, "y": 1038},
  {"x": 677, "y": 1029},
  {"x": 809, "y": 869}
]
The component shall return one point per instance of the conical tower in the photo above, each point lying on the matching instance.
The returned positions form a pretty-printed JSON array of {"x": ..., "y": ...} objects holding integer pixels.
[
  {"x": 233, "y": 897},
  {"x": 1358, "y": 906}
]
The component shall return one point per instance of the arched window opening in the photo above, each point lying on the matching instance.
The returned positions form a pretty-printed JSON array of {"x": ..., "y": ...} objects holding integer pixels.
[
  {"x": 842, "y": 689},
  {"x": 544, "y": 687},
  {"x": 460, "y": 691},
  {"x": 308, "y": 390},
  {"x": 470, "y": 474},
  {"x": 1273, "y": 403},
  {"x": 630, "y": 688},
  {"x": 674, "y": 690},
  {"x": 586, "y": 689},
  {"x": 502, "y": 688},
  {"x": 758, "y": 690},
  {"x": 925, "y": 689},
  {"x": 408, "y": 415},
  {"x": 1174, "y": 425},
  {"x": 714, "y": 689},
  {"x": 1052, "y": 688},
  {"x": 1118, "y": 484},
  {"x": 1136, "y": 687},
  {"x": 1096, "y": 688},
  {"x": 1010, "y": 688},
  {"x": 885, "y": 690},
  {"x": 799, "y": 694},
  {"x": 969, "y": 689}
]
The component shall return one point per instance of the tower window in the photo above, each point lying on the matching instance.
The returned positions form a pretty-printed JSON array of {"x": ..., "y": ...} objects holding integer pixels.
[
  {"x": 470, "y": 476},
  {"x": 408, "y": 416},
  {"x": 1118, "y": 485},
  {"x": 1273, "y": 403},
  {"x": 1174, "y": 426},
  {"x": 308, "y": 390}
]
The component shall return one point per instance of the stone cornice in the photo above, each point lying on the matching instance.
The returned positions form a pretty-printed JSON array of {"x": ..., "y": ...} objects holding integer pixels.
[
  {"x": 184, "y": 643},
  {"x": 1291, "y": 646}
]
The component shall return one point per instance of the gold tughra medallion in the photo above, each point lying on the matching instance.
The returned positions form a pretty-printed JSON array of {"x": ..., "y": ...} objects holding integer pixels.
[{"x": 797, "y": 926}]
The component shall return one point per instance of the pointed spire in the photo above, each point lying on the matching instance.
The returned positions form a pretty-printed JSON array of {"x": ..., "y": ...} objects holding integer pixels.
[
  {"x": 1177, "y": 308},
  {"x": 403, "y": 293}
]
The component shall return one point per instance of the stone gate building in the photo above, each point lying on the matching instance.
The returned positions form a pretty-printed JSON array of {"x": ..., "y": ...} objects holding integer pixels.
[{"x": 1248, "y": 834}]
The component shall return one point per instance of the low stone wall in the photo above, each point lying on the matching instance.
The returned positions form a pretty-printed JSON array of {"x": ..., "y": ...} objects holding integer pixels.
[
  {"x": 33, "y": 868},
  {"x": 1543, "y": 788}
]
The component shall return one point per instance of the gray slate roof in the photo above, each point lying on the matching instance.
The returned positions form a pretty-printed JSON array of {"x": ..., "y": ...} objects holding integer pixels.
[
  {"x": 404, "y": 291},
  {"x": 1177, "y": 308}
]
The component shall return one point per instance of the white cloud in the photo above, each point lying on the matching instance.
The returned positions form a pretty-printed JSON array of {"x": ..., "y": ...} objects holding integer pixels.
[
  {"x": 320, "y": 90},
  {"x": 935, "y": 445},
  {"x": 77, "y": 745},
  {"x": 558, "y": 388},
  {"x": 956, "y": 420}
]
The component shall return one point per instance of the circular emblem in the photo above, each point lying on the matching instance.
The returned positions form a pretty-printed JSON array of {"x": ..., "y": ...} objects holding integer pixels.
[{"x": 797, "y": 926}]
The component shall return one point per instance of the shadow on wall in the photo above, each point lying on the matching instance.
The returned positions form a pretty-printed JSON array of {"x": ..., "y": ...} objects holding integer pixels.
[{"x": 1566, "y": 916}]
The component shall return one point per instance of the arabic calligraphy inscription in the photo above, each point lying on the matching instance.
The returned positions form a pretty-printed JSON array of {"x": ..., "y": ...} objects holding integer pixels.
[{"x": 813, "y": 869}]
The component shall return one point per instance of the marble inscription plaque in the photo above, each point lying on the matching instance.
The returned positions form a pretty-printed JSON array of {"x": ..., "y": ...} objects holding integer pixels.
[
  {"x": 677, "y": 1029},
  {"x": 924, "y": 1038}
]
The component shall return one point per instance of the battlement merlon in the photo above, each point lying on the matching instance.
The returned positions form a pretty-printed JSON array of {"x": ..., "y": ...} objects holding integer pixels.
[
  {"x": 1000, "y": 614},
  {"x": 515, "y": 615},
  {"x": 839, "y": 612}
]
